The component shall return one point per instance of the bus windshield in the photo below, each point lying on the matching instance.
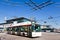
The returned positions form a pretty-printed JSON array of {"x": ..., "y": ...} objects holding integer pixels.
[{"x": 36, "y": 28}]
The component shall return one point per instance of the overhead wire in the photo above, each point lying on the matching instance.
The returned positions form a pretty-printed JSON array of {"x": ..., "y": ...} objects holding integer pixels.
[{"x": 38, "y": 6}]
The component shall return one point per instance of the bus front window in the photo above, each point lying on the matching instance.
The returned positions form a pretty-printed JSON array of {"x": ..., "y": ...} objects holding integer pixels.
[{"x": 36, "y": 28}]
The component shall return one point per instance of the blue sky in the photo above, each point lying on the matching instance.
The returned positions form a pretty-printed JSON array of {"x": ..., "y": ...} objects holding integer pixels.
[{"x": 9, "y": 10}]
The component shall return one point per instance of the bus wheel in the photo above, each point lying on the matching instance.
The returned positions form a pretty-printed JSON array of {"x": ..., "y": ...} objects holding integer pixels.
[{"x": 23, "y": 34}]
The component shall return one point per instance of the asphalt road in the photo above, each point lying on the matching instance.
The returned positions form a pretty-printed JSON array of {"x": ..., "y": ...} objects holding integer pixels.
[{"x": 45, "y": 36}]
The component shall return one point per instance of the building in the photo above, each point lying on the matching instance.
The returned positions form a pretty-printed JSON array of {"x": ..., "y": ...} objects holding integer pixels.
[
  {"x": 46, "y": 28},
  {"x": 23, "y": 21},
  {"x": 14, "y": 22},
  {"x": 19, "y": 21},
  {"x": 1, "y": 27},
  {"x": 57, "y": 30}
]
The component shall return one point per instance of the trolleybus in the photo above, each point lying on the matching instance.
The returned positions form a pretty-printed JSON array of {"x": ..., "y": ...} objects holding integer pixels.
[{"x": 30, "y": 30}]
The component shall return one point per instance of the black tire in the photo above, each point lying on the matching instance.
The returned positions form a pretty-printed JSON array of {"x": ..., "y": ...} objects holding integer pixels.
[{"x": 23, "y": 34}]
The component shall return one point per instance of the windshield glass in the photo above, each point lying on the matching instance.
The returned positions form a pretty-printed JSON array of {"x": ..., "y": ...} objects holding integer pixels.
[{"x": 36, "y": 28}]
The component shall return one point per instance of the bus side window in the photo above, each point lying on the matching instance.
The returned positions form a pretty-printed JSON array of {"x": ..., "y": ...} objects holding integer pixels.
[
  {"x": 16, "y": 28},
  {"x": 22, "y": 29}
]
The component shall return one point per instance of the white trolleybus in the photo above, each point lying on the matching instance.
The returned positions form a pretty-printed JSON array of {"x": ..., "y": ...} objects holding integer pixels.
[{"x": 29, "y": 29}]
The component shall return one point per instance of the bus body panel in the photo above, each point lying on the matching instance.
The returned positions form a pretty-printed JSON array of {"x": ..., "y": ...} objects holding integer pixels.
[
  {"x": 15, "y": 33},
  {"x": 36, "y": 34}
]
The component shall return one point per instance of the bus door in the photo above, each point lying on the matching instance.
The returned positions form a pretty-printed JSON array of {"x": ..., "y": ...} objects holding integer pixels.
[
  {"x": 13, "y": 30},
  {"x": 17, "y": 30},
  {"x": 29, "y": 31}
]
